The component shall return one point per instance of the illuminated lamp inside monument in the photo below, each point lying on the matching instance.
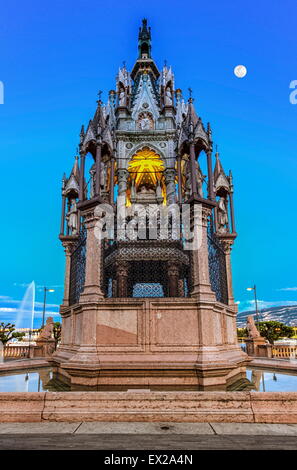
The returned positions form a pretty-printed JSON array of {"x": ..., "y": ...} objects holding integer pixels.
[{"x": 146, "y": 170}]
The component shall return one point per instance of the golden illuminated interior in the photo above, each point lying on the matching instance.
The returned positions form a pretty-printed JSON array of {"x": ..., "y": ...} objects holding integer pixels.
[{"x": 146, "y": 168}]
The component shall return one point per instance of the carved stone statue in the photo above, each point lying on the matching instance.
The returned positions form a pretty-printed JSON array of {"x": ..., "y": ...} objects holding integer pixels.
[
  {"x": 168, "y": 97},
  {"x": 45, "y": 340},
  {"x": 103, "y": 175},
  {"x": 188, "y": 180},
  {"x": 222, "y": 216},
  {"x": 47, "y": 330},
  {"x": 93, "y": 181},
  {"x": 145, "y": 124},
  {"x": 72, "y": 218},
  {"x": 199, "y": 178},
  {"x": 251, "y": 327},
  {"x": 133, "y": 190},
  {"x": 159, "y": 192},
  {"x": 122, "y": 98},
  {"x": 145, "y": 190},
  {"x": 146, "y": 195}
]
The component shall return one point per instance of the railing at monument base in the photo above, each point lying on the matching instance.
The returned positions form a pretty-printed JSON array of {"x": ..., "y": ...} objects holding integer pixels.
[
  {"x": 42, "y": 349},
  {"x": 284, "y": 351},
  {"x": 16, "y": 351},
  {"x": 276, "y": 351}
]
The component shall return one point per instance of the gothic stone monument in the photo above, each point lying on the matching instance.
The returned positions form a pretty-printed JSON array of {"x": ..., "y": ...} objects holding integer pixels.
[{"x": 147, "y": 311}]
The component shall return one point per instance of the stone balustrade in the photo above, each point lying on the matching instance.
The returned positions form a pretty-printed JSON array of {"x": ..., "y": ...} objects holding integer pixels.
[
  {"x": 16, "y": 351},
  {"x": 284, "y": 351}
]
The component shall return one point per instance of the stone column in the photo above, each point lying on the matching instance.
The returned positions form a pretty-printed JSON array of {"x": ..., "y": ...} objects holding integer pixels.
[
  {"x": 232, "y": 213},
  {"x": 179, "y": 178},
  {"x": 170, "y": 186},
  {"x": 122, "y": 175},
  {"x": 82, "y": 177},
  {"x": 112, "y": 161},
  {"x": 122, "y": 269},
  {"x": 193, "y": 170},
  {"x": 98, "y": 168},
  {"x": 210, "y": 177},
  {"x": 62, "y": 227},
  {"x": 173, "y": 278},
  {"x": 227, "y": 246},
  {"x": 68, "y": 209},
  {"x": 92, "y": 289},
  {"x": 67, "y": 249},
  {"x": 200, "y": 267}
]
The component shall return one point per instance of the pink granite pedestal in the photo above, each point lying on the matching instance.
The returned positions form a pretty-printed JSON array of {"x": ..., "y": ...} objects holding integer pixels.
[{"x": 140, "y": 343}]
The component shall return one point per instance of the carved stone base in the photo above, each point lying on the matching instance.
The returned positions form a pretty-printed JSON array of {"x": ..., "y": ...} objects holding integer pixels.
[
  {"x": 149, "y": 342},
  {"x": 44, "y": 348},
  {"x": 258, "y": 347}
]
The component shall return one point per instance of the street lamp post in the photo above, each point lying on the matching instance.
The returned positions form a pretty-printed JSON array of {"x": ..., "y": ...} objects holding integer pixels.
[
  {"x": 256, "y": 302},
  {"x": 45, "y": 289}
]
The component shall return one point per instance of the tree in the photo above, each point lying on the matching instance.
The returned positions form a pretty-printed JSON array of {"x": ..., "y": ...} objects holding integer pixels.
[
  {"x": 242, "y": 332},
  {"x": 7, "y": 332},
  {"x": 273, "y": 330},
  {"x": 18, "y": 335},
  {"x": 57, "y": 332}
]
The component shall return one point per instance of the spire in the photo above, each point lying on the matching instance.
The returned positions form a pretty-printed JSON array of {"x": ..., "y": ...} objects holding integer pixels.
[
  {"x": 219, "y": 176},
  {"x": 98, "y": 120},
  {"x": 64, "y": 181},
  {"x": 218, "y": 166},
  {"x": 71, "y": 185},
  {"x": 144, "y": 41},
  {"x": 191, "y": 117},
  {"x": 82, "y": 134},
  {"x": 75, "y": 169},
  {"x": 145, "y": 63}
]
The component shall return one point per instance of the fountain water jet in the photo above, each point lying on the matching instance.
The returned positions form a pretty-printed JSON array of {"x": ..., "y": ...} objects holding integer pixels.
[{"x": 27, "y": 306}]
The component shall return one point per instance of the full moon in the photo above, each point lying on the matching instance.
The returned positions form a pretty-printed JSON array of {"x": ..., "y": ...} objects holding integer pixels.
[{"x": 240, "y": 71}]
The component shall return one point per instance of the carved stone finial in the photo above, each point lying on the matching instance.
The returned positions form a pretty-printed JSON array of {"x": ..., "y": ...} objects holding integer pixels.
[
  {"x": 64, "y": 180},
  {"x": 190, "y": 93},
  {"x": 209, "y": 131},
  {"x": 99, "y": 98},
  {"x": 82, "y": 134}
]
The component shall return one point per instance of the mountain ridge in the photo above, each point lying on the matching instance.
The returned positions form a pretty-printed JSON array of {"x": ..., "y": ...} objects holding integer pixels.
[{"x": 286, "y": 314}]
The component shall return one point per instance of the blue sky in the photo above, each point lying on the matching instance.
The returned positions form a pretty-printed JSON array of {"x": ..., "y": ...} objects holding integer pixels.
[{"x": 56, "y": 55}]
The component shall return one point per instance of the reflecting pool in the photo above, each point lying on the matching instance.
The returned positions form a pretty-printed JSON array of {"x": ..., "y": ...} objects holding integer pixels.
[
  {"x": 272, "y": 381},
  {"x": 39, "y": 380}
]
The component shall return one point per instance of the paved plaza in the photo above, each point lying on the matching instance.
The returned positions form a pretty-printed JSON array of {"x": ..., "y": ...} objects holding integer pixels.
[{"x": 147, "y": 436}]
